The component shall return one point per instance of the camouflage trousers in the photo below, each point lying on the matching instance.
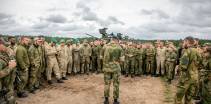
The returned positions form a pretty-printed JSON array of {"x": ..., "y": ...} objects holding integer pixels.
[
  {"x": 206, "y": 92},
  {"x": 63, "y": 67},
  {"x": 76, "y": 66},
  {"x": 130, "y": 68},
  {"x": 139, "y": 67},
  {"x": 170, "y": 70},
  {"x": 150, "y": 66},
  {"x": 186, "y": 89},
  {"x": 99, "y": 64},
  {"x": 108, "y": 77},
  {"x": 24, "y": 75},
  {"x": 33, "y": 78},
  {"x": 8, "y": 83},
  {"x": 85, "y": 64}
]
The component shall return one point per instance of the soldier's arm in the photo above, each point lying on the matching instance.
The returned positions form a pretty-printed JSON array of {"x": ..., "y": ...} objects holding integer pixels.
[
  {"x": 184, "y": 61},
  {"x": 19, "y": 57},
  {"x": 31, "y": 56},
  {"x": 50, "y": 52},
  {"x": 4, "y": 71}
]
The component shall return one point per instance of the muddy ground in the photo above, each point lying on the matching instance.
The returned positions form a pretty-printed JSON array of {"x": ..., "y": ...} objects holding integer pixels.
[{"x": 88, "y": 89}]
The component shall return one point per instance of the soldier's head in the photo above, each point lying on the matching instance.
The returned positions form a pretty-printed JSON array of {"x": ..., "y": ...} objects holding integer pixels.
[
  {"x": 53, "y": 41},
  {"x": 12, "y": 40},
  {"x": 69, "y": 42},
  {"x": 38, "y": 41},
  {"x": 189, "y": 41},
  {"x": 62, "y": 42},
  {"x": 25, "y": 40},
  {"x": 196, "y": 41},
  {"x": 114, "y": 40}
]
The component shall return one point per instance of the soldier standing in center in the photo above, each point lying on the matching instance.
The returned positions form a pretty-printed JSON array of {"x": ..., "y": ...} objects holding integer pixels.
[
  {"x": 85, "y": 53},
  {"x": 62, "y": 59},
  {"x": 111, "y": 66},
  {"x": 52, "y": 64},
  {"x": 160, "y": 59},
  {"x": 150, "y": 54},
  {"x": 23, "y": 65}
]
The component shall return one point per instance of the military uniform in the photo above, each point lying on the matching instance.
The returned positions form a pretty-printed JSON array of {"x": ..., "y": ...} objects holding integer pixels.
[
  {"x": 5, "y": 79},
  {"x": 85, "y": 54},
  {"x": 35, "y": 65},
  {"x": 139, "y": 61},
  {"x": 188, "y": 81},
  {"x": 52, "y": 64},
  {"x": 111, "y": 68},
  {"x": 160, "y": 60},
  {"x": 69, "y": 58},
  {"x": 62, "y": 60},
  {"x": 170, "y": 64},
  {"x": 76, "y": 59},
  {"x": 130, "y": 54},
  {"x": 97, "y": 58},
  {"x": 23, "y": 65},
  {"x": 150, "y": 61}
]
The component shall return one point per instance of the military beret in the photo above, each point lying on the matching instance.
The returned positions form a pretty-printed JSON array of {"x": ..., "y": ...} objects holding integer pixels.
[{"x": 53, "y": 40}]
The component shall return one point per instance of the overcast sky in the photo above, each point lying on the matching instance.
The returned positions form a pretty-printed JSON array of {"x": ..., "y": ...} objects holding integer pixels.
[{"x": 143, "y": 19}]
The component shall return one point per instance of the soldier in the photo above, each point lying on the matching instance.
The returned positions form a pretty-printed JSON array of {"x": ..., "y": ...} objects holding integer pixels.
[
  {"x": 52, "y": 64},
  {"x": 7, "y": 66},
  {"x": 139, "y": 60},
  {"x": 111, "y": 68},
  {"x": 170, "y": 63},
  {"x": 23, "y": 65},
  {"x": 69, "y": 57},
  {"x": 76, "y": 58},
  {"x": 85, "y": 54},
  {"x": 35, "y": 63},
  {"x": 206, "y": 75},
  {"x": 97, "y": 56},
  {"x": 130, "y": 54},
  {"x": 62, "y": 59},
  {"x": 150, "y": 56},
  {"x": 160, "y": 59},
  {"x": 188, "y": 80}
]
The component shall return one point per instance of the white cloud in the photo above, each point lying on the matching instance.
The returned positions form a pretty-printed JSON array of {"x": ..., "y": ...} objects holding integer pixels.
[{"x": 144, "y": 19}]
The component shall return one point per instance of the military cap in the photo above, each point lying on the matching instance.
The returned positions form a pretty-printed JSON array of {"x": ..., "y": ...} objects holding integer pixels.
[
  {"x": 62, "y": 41},
  {"x": 207, "y": 44},
  {"x": 85, "y": 41},
  {"x": 53, "y": 40},
  {"x": 68, "y": 41}
]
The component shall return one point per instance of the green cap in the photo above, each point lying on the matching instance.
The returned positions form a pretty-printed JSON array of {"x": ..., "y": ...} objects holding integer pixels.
[
  {"x": 62, "y": 41},
  {"x": 53, "y": 40}
]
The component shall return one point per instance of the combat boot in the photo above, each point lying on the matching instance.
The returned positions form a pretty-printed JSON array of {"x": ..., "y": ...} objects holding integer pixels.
[
  {"x": 60, "y": 81},
  {"x": 22, "y": 95},
  {"x": 50, "y": 82},
  {"x": 106, "y": 101},
  {"x": 64, "y": 78},
  {"x": 116, "y": 101}
]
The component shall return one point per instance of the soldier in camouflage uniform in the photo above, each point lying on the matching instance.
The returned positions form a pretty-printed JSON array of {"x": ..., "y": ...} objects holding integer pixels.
[
  {"x": 130, "y": 54},
  {"x": 62, "y": 58},
  {"x": 23, "y": 65},
  {"x": 139, "y": 60},
  {"x": 85, "y": 54},
  {"x": 111, "y": 68},
  {"x": 7, "y": 67},
  {"x": 170, "y": 63},
  {"x": 206, "y": 75},
  {"x": 35, "y": 63},
  {"x": 70, "y": 57},
  {"x": 52, "y": 64},
  {"x": 150, "y": 59},
  {"x": 97, "y": 59},
  {"x": 188, "y": 81}
]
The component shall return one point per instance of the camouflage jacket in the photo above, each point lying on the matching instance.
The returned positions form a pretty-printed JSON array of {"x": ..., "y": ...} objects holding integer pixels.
[
  {"x": 111, "y": 59},
  {"x": 22, "y": 58},
  {"x": 35, "y": 56}
]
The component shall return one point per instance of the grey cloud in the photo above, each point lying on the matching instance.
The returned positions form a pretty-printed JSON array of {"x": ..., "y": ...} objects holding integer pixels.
[
  {"x": 157, "y": 12},
  {"x": 6, "y": 19},
  {"x": 57, "y": 19}
]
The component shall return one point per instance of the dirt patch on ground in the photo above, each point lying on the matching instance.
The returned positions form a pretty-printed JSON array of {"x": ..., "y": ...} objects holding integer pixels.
[{"x": 88, "y": 89}]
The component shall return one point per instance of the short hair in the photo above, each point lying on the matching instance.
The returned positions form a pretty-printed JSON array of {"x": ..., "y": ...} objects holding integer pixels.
[
  {"x": 190, "y": 39},
  {"x": 10, "y": 37}
]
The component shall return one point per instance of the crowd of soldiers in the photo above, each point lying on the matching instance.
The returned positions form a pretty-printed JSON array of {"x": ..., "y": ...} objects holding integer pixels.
[{"x": 26, "y": 64}]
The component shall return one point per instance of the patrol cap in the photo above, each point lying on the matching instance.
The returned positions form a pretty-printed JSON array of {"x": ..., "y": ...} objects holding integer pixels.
[
  {"x": 62, "y": 41},
  {"x": 85, "y": 41},
  {"x": 68, "y": 41},
  {"x": 207, "y": 44},
  {"x": 53, "y": 40}
]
